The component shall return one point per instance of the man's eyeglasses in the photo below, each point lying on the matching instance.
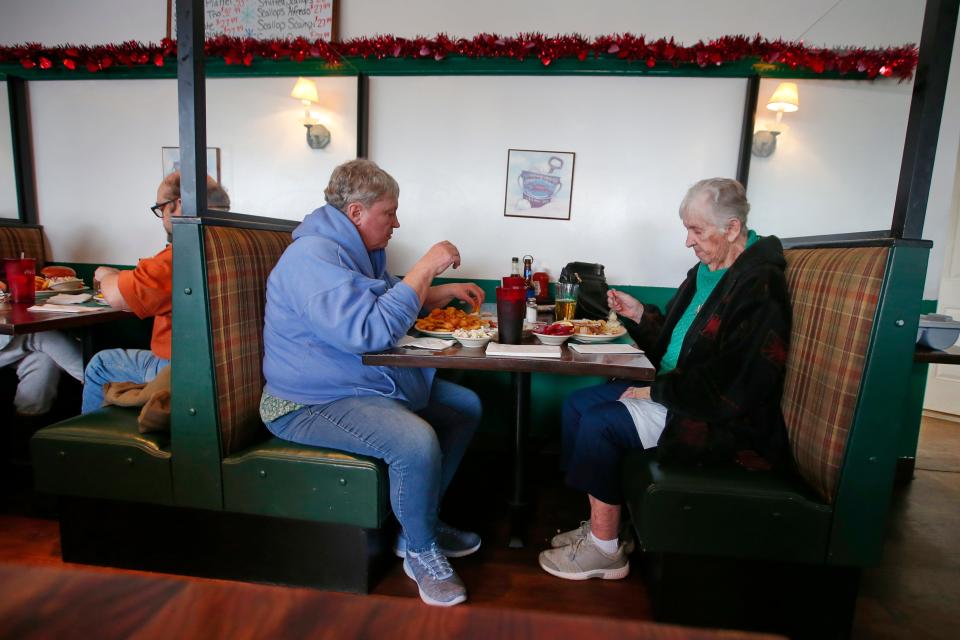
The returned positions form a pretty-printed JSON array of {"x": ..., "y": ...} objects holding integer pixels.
[{"x": 157, "y": 209}]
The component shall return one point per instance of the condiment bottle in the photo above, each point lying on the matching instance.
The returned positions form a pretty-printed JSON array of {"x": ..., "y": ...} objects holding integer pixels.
[
  {"x": 541, "y": 286},
  {"x": 515, "y": 266},
  {"x": 528, "y": 275}
]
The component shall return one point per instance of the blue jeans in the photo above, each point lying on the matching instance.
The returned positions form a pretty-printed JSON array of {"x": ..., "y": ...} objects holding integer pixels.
[
  {"x": 117, "y": 365},
  {"x": 422, "y": 449},
  {"x": 597, "y": 430}
]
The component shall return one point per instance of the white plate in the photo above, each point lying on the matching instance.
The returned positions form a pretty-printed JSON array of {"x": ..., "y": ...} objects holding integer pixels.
[
  {"x": 436, "y": 334},
  {"x": 554, "y": 340},
  {"x": 607, "y": 337}
]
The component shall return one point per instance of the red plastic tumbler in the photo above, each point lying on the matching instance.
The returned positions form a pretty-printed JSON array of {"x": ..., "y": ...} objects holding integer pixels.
[{"x": 20, "y": 278}]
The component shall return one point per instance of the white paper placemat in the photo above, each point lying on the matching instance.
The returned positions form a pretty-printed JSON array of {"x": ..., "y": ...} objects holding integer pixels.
[
  {"x": 433, "y": 344},
  {"x": 605, "y": 348},
  {"x": 523, "y": 350},
  {"x": 61, "y": 308}
]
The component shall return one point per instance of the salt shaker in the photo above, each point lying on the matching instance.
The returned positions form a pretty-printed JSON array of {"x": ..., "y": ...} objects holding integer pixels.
[{"x": 531, "y": 310}]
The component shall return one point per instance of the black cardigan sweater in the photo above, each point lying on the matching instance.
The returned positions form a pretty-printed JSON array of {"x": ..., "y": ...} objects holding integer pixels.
[{"x": 723, "y": 398}]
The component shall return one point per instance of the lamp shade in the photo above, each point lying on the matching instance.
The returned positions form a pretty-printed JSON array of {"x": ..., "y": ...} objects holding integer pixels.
[
  {"x": 305, "y": 90},
  {"x": 785, "y": 99}
]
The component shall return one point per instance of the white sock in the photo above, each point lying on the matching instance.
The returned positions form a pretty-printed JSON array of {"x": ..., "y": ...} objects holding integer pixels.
[{"x": 609, "y": 547}]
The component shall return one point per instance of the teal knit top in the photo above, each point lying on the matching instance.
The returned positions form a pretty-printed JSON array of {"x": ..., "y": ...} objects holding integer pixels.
[{"x": 706, "y": 282}]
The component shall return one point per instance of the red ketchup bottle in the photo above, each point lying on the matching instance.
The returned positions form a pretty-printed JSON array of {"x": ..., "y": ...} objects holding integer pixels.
[{"x": 541, "y": 285}]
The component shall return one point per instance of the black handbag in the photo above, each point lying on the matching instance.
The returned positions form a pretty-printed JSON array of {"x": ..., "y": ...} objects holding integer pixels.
[{"x": 592, "y": 298}]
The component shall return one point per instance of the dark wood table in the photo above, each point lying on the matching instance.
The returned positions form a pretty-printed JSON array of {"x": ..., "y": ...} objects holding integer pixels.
[
  {"x": 16, "y": 320},
  {"x": 950, "y": 355},
  {"x": 631, "y": 367},
  {"x": 48, "y": 602}
]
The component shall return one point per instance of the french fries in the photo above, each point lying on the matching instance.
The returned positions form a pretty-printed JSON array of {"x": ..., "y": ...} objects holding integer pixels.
[{"x": 449, "y": 319}]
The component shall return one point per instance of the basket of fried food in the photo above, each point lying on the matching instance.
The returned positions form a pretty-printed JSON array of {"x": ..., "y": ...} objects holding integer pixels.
[{"x": 443, "y": 322}]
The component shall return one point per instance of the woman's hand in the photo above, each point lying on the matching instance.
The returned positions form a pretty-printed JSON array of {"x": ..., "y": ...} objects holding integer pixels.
[
  {"x": 625, "y": 305},
  {"x": 439, "y": 258},
  {"x": 442, "y": 294},
  {"x": 637, "y": 393}
]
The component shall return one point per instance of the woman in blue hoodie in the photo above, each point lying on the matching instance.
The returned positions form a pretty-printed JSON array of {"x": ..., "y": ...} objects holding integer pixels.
[{"x": 329, "y": 300}]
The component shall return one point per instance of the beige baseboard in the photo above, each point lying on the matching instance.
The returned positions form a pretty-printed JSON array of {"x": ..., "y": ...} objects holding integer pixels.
[{"x": 939, "y": 415}]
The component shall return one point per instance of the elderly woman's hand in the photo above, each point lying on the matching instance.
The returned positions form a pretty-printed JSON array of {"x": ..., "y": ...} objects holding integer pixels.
[
  {"x": 637, "y": 393},
  {"x": 442, "y": 294},
  {"x": 625, "y": 305},
  {"x": 440, "y": 257}
]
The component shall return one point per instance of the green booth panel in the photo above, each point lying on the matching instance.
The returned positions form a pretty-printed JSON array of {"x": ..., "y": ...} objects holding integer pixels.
[
  {"x": 103, "y": 455},
  {"x": 287, "y": 480},
  {"x": 728, "y": 511}
]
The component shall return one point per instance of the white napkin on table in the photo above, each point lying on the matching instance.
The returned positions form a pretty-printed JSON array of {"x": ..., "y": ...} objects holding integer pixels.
[
  {"x": 523, "y": 350},
  {"x": 61, "y": 308},
  {"x": 433, "y": 344},
  {"x": 604, "y": 348}
]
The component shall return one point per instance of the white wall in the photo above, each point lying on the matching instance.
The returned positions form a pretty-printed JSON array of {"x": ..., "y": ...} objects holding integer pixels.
[
  {"x": 8, "y": 185},
  {"x": 836, "y": 166},
  {"x": 97, "y": 149},
  {"x": 639, "y": 143}
]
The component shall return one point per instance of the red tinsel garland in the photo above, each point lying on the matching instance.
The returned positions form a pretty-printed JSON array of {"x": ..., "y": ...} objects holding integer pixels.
[{"x": 898, "y": 62}]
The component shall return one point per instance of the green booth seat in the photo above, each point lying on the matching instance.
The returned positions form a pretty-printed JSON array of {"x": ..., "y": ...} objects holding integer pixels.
[
  {"x": 103, "y": 455},
  {"x": 731, "y": 512},
  {"x": 286, "y": 480}
]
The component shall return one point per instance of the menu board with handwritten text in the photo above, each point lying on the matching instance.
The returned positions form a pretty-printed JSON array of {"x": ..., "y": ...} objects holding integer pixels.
[{"x": 269, "y": 19}]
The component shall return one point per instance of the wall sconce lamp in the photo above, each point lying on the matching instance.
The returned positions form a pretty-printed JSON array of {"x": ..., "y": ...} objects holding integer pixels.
[
  {"x": 318, "y": 136},
  {"x": 786, "y": 99}
]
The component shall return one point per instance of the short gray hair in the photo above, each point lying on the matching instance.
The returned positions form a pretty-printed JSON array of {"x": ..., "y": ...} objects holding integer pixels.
[
  {"x": 360, "y": 181},
  {"x": 727, "y": 198}
]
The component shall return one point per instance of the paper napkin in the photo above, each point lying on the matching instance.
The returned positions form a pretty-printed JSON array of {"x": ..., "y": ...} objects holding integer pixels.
[
  {"x": 605, "y": 348},
  {"x": 62, "y": 308},
  {"x": 523, "y": 350},
  {"x": 433, "y": 344}
]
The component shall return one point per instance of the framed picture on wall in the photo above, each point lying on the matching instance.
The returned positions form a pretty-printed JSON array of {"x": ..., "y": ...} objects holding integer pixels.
[
  {"x": 170, "y": 158},
  {"x": 264, "y": 19},
  {"x": 539, "y": 184}
]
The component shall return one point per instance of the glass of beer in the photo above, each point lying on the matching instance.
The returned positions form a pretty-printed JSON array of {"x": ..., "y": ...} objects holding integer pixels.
[{"x": 566, "y": 300}]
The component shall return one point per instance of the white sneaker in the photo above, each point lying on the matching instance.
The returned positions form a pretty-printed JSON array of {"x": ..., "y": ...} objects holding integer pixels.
[{"x": 583, "y": 560}]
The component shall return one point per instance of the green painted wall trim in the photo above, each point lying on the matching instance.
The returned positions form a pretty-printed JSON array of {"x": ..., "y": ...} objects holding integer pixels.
[{"x": 453, "y": 65}]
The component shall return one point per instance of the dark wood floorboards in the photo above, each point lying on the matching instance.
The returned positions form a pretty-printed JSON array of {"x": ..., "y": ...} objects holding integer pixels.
[{"x": 913, "y": 594}]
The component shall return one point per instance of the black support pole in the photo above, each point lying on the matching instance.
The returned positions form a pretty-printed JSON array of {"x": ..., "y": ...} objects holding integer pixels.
[
  {"x": 191, "y": 102},
  {"x": 923, "y": 125},
  {"x": 363, "y": 114},
  {"x": 22, "y": 150},
  {"x": 746, "y": 128}
]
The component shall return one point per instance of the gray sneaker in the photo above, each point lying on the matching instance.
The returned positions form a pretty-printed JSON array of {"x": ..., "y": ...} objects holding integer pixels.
[
  {"x": 583, "y": 560},
  {"x": 439, "y": 585},
  {"x": 453, "y": 542},
  {"x": 570, "y": 537}
]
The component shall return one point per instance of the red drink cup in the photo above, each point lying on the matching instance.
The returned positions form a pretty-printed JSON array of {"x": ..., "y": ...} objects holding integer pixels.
[
  {"x": 514, "y": 282},
  {"x": 20, "y": 279},
  {"x": 511, "y": 307}
]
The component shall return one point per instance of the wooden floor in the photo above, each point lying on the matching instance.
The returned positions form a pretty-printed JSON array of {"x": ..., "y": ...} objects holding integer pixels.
[{"x": 913, "y": 594}]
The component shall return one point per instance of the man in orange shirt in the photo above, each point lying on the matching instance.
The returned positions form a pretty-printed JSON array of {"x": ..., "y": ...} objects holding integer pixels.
[{"x": 147, "y": 291}]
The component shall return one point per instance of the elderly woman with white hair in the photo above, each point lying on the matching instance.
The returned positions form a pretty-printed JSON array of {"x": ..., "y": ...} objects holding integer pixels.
[{"x": 720, "y": 353}]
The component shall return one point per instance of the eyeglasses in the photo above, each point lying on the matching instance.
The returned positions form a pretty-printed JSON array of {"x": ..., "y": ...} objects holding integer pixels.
[{"x": 157, "y": 209}]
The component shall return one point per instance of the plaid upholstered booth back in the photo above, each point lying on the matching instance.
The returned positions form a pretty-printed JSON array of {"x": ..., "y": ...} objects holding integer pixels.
[
  {"x": 28, "y": 239},
  {"x": 238, "y": 263},
  {"x": 835, "y": 293}
]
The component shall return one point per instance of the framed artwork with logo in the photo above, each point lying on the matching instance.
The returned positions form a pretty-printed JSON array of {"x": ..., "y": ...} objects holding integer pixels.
[{"x": 539, "y": 184}]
